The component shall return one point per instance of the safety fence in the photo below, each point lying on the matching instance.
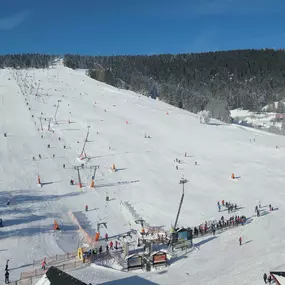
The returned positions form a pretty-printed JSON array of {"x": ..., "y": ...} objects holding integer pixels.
[
  {"x": 31, "y": 277},
  {"x": 56, "y": 258},
  {"x": 87, "y": 236}
]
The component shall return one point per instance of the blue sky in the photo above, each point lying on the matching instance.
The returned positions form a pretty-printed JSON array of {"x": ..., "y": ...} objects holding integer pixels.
[{"x": 139, "y": 26}]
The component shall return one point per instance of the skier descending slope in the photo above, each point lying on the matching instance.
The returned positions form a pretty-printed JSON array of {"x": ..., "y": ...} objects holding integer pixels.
[
  {"x": 240, "y": 241},
  {"x": 7, "y": 277}
]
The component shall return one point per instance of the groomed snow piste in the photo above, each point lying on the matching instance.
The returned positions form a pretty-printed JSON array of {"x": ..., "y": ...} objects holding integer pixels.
[{"x": 147, "y": 177}]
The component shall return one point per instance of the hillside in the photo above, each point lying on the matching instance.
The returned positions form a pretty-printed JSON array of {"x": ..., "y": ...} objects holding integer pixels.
[
  {"x": 147, "y": 177},
  {"x": 216, "y": 81}
]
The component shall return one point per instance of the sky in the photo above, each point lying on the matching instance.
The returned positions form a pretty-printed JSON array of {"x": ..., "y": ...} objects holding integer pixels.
[{"x": 112, "y": 27}]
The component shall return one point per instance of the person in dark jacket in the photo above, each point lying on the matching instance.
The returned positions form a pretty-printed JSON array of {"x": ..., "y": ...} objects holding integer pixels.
[
  {"x": 265, "y": 278},
  {"x": 7, "y": 277}
]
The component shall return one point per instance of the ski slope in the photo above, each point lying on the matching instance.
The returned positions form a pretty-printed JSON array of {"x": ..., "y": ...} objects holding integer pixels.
[{"x": 146, "y": 178}]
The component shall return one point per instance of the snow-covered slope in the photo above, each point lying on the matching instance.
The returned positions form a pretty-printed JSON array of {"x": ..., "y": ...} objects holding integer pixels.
[
  {"x": 262, "y": 120},
  {"x": 149, "y": 181}
]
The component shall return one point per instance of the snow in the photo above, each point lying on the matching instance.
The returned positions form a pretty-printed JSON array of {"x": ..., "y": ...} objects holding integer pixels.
[
  {"x": 43, "y": 281},
  {"x": 262, "y": 120},
  {"x": 146, "y": 178}
]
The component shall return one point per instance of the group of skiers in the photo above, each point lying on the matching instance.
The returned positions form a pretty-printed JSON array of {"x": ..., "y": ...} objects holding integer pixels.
[
  {"x": 97, "y": 252},
  {"x": 267, "y": 279},
  {"x": 257, "y": 209},
  {"x": 229, "y": 206},
  {"x": 221, "y": 224}
]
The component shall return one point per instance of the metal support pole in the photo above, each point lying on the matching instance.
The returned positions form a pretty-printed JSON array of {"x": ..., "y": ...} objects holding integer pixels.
[
  {"x": 37, "y": 92},
  {"x": 56, "y": 111},
  {"x": 182, "y": 181},
  {"x": 83, "y": 149},
  {"x": 41, "y": 123},
  {"x": 78, "y": 173},
  {"x": 49, "y": 124},
  {"x": 95, "y": 168}
]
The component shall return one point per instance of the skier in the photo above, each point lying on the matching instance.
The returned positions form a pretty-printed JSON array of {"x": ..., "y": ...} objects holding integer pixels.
[
  {"x": 176, "y": 167},
  {"x": 270, "y": 208},
  {"x": 219, "y": 206},
  {"x": 8, "y": 202},
  {"x": 240, "y": 240},
  {"x": 107, "y": 248},
  {"x": 257, "y": 213},
  {"x": 53, "y": 155},
  {"x": 33, "y": 158},
  {"x": 256, "y": 208},
  {"x": 269, "y": 279},
  {"x": 48, "y": 145},
  {"x": 71, "y": 182},
  {"x": 116, "y": 244},
  {"x": 40, "y": 156},
  {"x": 106, "y": 237},
  {"x": 63, "y": 165},
  {"x": 7, "y": 277},
  {"x": 223, "y": 202},
  {"x": 86, "y": 208},
  {"x": 5, "y": 135},
  {"x": 44, "y": 265},
  {"x": 111, "y": 245},
  {"x": 100, "y": 249},
  {"x": 265, "y": 278},
  {"x": 213, "y": 229}
]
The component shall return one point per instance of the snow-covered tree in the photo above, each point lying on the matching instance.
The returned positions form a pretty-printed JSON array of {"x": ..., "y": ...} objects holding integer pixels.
[{"x": 204, "y": 117}]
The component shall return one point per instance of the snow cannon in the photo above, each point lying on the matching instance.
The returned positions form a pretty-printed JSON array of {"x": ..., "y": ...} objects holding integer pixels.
[
  {"x": 82, "y": 156},
  {"x": 233, "y": 176},
  {"x": 113, "y": 167},
  {"x": 55, "y": 226},
  {"x": 39, "y": 181},
  {"x": 92, "y": 185}
]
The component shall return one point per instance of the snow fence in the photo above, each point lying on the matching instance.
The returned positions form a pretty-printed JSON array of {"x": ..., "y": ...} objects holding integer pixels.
[{"x": 84, "y": 226}]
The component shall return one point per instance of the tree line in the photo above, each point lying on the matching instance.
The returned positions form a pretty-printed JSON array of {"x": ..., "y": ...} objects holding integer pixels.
[{"x": 26, "y": 60}]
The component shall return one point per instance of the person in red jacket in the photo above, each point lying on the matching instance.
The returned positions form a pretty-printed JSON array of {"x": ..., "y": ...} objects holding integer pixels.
[
  {"x": 43, "y": 265},
  {"x": 240, "y": 240}
]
